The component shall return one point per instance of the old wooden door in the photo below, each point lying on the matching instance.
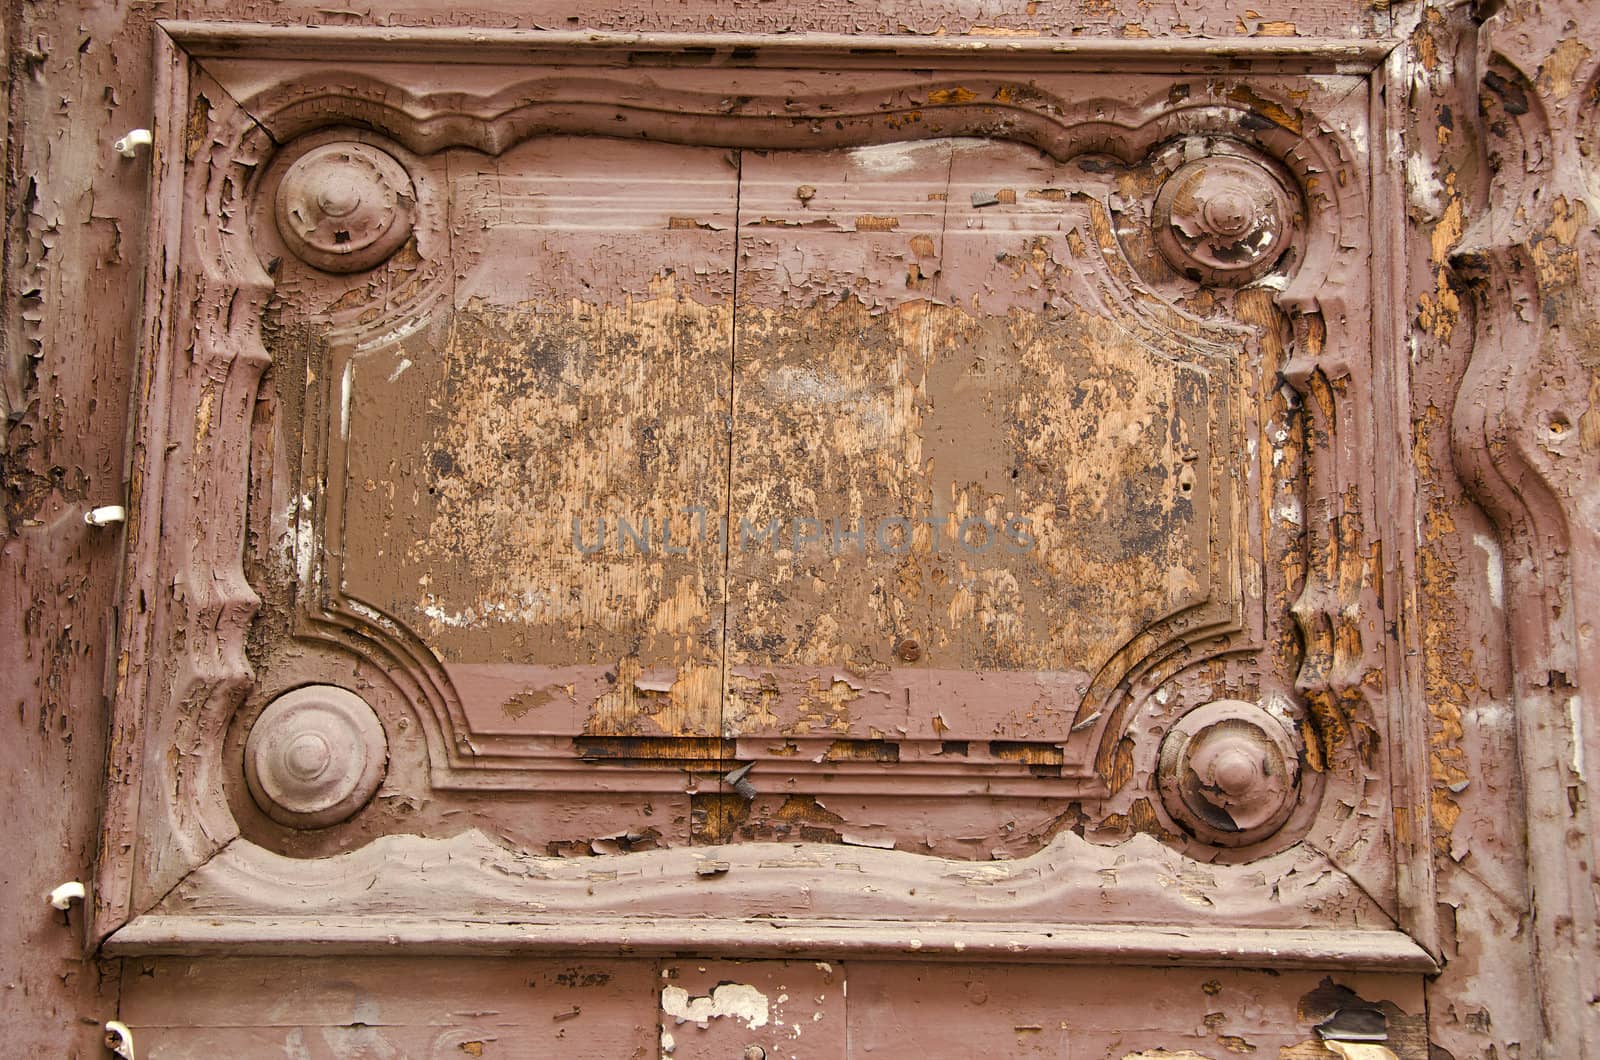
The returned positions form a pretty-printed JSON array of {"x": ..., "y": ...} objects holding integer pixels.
[{"x": 741, "y": 544}]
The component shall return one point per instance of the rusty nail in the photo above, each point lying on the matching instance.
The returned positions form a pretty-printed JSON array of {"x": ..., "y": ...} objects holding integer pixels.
[
  {"x": 754, "y": 1052},
  {"x": 908, "y": 650},
  {"x": 805, "y": 193}
]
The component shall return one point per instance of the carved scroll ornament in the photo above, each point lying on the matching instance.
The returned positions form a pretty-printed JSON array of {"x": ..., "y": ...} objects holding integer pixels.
[{"x": 1525, "y": 431}]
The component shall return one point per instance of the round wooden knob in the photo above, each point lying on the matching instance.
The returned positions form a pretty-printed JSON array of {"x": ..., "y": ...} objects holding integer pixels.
[
  {"x": 315, "y": 756},
  {"x": 1223, "y": 219},
  {"x": 345, "y": 207},
  {"x": 1229, "y": 773}
]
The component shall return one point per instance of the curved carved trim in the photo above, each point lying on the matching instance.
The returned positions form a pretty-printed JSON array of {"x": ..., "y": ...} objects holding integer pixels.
[
  {"x": 469, "y": 880},
  {"x": 207, "y": 357},
  {"x": 993, "y": 108},
  {"x": 1525, "y": 428},
  {"x": 1339, "y": 611},
  {"x": 563, "y": 106},
  {"x": 138, "y": 672}
]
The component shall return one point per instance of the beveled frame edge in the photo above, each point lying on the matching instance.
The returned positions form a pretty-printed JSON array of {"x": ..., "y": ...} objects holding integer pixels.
[
  {"x": 1416, "y": 885},
  {"x": 1114, "y": 944},
  {"x": 110, "y": 897},
  {"x": 178, "y": 44},
  {"x": 207, "y": 40}
]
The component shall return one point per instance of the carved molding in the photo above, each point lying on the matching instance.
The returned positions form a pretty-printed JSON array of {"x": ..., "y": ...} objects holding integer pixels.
[
  {"x": 1201, "y": 629},
  {"x": 1233, "y": 219},
  {"x": 1525, "y": 430},
  {"x": 1065, "y": 131},
  {"x": 480, "y": 897}
]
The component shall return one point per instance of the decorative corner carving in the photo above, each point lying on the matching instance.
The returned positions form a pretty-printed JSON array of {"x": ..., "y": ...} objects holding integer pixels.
[
  {"x": 315, "y": 756},
  {"x": 1229, "y": 773},
  {"x": 1224, "y": 219},
  {"x": 345, "y": 207}
]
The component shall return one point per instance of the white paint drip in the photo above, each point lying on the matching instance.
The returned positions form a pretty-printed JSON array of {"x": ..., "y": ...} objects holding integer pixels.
[
  {"x": 1279, "y": 706},
  {"x": 344, "y": 398},
  {"x": 1357, "y": 135},
  {"x": 1491, "y": 717},
  {"x": 527, "y": 607},
  {"x": 885, "y": 159},
  {"x": 1493, "y": 568},
  {"x": 394, "y": 334},
  {"x": 811, "y": 386},
  {"x": 1359, "y": 1050},
  {"x": 736, "y": 1000},
  {"x": 294, "y": 1047},
  {"x": 305, "y": 540},
  {"x": 1423, "y": 187},
  {"x": 1575, "y": 720},
  {"x": 399, "y": 369}
]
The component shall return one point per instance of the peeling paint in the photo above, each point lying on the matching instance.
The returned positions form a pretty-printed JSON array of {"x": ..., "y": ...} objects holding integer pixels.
[{"x": 728, "y": 1000}]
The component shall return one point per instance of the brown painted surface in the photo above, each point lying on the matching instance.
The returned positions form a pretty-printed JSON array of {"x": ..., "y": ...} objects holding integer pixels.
[
  {"x": 1146, "y": 611},
  {"x": 1354, "y": 488}
]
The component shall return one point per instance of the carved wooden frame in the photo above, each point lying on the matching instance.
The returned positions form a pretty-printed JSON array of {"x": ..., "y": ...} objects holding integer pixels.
[
  {"x": 196, "y": 885},
  {"x": 1526, "y": 452}
]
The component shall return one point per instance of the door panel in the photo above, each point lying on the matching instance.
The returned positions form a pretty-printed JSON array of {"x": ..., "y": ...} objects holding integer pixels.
[
  {"x": 1435, "y": 703},
  {"x": 781, "y": 502}
]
